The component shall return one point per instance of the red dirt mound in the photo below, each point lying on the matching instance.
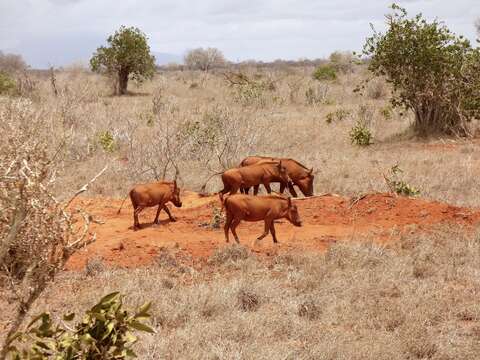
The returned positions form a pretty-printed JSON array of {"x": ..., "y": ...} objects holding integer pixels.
[{"x": 326, "y": 219}]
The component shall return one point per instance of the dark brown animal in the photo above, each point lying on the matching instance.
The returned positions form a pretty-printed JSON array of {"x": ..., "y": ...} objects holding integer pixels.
[
  {"x": 255, "y": 208},
  {"x": 158, "y": 193},
  {"x": 300, "y": 175},
  {"x": 262, "y": 173}
]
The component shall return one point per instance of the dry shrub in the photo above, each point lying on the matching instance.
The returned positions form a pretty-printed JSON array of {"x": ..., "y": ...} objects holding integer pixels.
[
  {"x": 309, "y": 309},
  {"x": 94, "y": 266},
  {"x": 376, "y": 89},
  {"x": 228, "y": 254},
  {"x": 38, "y": 233},
  {"x": 247, "y": 300}
]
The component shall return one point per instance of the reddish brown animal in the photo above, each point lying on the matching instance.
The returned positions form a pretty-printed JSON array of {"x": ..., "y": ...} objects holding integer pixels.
[
  {"x": 300, "y": 175},
  {"x": 255, "y": 208},
  {"x": 262, "y": 173},
  {"x": 158, "y": 193}
]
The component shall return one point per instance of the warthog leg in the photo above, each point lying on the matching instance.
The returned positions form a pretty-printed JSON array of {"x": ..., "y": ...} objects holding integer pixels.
[
  {"x": 272, "y": 231},
  {"x": 136, "y": 211},
  {"x": 167, "y": 210},
  {"x": 226, "y": 228},
  {"x": 267, "y": 186},
  {"x": 233, "y": 226},
  {"x": 267, "y": 228}
]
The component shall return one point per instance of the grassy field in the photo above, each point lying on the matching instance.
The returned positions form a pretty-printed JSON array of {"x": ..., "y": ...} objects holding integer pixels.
[{"x": 413, "y": 299}]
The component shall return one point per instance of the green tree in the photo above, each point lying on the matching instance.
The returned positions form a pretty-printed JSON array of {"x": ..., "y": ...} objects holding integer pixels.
[
  {"x": 432, "y": 71},
  {"x": 126, "y": 56}
]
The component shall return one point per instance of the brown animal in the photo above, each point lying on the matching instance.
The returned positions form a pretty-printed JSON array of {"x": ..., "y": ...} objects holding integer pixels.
[
  {"x": 158, "y": 193},
  {"x": 262, "y": 173},
  {"x": 299, "y": 174},
  {"x": 255, "y": 208}
]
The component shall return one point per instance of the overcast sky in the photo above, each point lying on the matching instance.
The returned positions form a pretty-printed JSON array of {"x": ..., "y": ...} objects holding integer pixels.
[{"x": 59, "y": 32}]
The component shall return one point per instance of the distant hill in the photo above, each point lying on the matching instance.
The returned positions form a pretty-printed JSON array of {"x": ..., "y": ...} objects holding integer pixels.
[{"x": 166, "y": 58}]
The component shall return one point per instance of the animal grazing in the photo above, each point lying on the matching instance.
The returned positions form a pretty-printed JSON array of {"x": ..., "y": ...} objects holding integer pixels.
[
  {"x": 300, "y": 175},
  {"x": 255, "y": 208},
  {"x": 264, "y": 173},
  {"x": 152, "y": 194}
]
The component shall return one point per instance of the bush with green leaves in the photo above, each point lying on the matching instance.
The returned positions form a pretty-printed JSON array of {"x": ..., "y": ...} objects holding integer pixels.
[
  {"x": 325, "y": 72},
  {"x": 105, "y": 332},
  {"x": 360, "y": 134},
  {"x": 337, "y": 115},
  {"x": 433, "y": 72},
  {"x": 126, "y": 56},
  {"x": 398, "y": 185},
  {"x": 7, "y": 84},
  {"x": 107, "y": 141}
]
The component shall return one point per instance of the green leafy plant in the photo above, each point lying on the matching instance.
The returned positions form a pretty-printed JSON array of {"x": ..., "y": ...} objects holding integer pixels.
[
  {"x": 398, "y": 185},
  {"x": 107, "y": 141},
  {"x": 325, "y": 72},
  {"x": 386, "y": 112},
  {"x": 433, "y": 72},
  {"x": 337, "y": 115},
  {"x": 7, "y": 84},
  {"x": 126, "y": 56},
  {"x": 360, "y": 134},
  {"x": 105, "y": 332}
]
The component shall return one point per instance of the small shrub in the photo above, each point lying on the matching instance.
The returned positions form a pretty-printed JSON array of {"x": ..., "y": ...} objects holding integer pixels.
[
  {"x": 94, "y": 266},
  {"x": 325, "y": 72},
  {"x": 217, "y": 218},
  {"x": 225, "y": 254},
  {"x": 105, "y": 332},
  {"x": 397, "y": 185},
  {"x": 247, "y": 300},
  {"x": 165, "y": 259},
  {"x": 317, "y": 94},
  {"x": 386, "y": 112},
  {"x": 337, "y": 115},
  {"x": 7, "y": 84},
  {"x": 107, "y": 141},
  {"x": 376, "y": 89},
  {"x": 309, "y": 309},
  {"x": 360, "y": 135}
]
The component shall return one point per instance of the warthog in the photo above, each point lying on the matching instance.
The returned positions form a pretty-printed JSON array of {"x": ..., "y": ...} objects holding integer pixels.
[
  {"x": 255, "y": 208},
  {"x": 299, "y": 174},
  {"x": 262, "y": 173},
  {"x": 148, "y": 195}
]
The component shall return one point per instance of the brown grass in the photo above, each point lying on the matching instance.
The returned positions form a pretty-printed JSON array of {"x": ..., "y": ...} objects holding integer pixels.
[{"x": 357, "y": 301}]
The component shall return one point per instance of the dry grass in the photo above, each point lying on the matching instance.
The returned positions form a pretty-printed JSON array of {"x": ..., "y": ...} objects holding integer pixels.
[
  {"x": 357, "y": 301},
  {"x": 154, "y": 129}
]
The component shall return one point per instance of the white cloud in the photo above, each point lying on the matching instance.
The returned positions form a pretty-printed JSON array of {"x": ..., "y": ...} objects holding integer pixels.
[{"x": 62, "y": 31}]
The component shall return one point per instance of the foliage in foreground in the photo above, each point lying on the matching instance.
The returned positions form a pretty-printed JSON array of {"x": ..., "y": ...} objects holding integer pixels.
[
  {"x": 105, "y": 332},
  {"x": 434, "y": 73},
  {"x": 127, "y": 55}
]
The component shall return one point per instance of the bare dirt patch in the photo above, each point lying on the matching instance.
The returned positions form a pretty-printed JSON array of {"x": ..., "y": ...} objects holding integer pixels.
[{"x": 326, "y": 219}]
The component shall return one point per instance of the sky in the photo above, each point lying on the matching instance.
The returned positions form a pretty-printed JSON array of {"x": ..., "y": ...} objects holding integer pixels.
[{"x": 61, "y": 32}]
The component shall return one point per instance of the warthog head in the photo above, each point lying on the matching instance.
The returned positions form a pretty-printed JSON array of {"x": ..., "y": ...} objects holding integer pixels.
[
  {"x": 306, "y": 183},
  {"x": 176, "y": 195},
  {"x": 292, "y": 214}
]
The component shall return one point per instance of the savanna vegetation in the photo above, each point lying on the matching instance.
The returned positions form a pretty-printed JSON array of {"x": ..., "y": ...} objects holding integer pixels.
[{"x": 351, "y": 119}]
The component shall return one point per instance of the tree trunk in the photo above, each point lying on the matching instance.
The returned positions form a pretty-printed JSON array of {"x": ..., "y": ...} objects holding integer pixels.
[{"x": 122, "y": 82}]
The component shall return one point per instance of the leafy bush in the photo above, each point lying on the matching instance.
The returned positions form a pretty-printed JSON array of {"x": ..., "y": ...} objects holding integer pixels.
[
  {"x": 434, "y": 73},
  {"x": 397, "y": 185},
  {"x": 337, "y": 115},
  {"x": 107, "y": 141},
  {"x": 360, "y": 134},
  {"x": 105, "y": 332},
  {"x": 325, "y": 72},
  {"x": 7, "y": 84}
]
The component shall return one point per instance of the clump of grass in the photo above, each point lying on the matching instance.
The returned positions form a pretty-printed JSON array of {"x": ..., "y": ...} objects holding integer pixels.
[
  {"x": 232, "y": 253},
  {"x": 94, "y": 266},
  {"x": 247, "y": 300}
]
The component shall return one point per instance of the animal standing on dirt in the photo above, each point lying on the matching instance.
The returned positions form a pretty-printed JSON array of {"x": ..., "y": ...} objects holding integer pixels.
[
  {"x": 262, "y": 173},
  {"x": 299, "y": 174},
  {"x": 148, "y": 195},
  {"x": 255, "y": 208}
]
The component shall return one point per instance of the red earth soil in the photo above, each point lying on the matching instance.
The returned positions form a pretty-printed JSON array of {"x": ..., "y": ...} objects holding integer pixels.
[{"x": 326, "y": 219}]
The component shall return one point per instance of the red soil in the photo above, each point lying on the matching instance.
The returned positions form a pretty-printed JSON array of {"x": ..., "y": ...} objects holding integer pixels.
[{"x": 326, "y": 219}]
